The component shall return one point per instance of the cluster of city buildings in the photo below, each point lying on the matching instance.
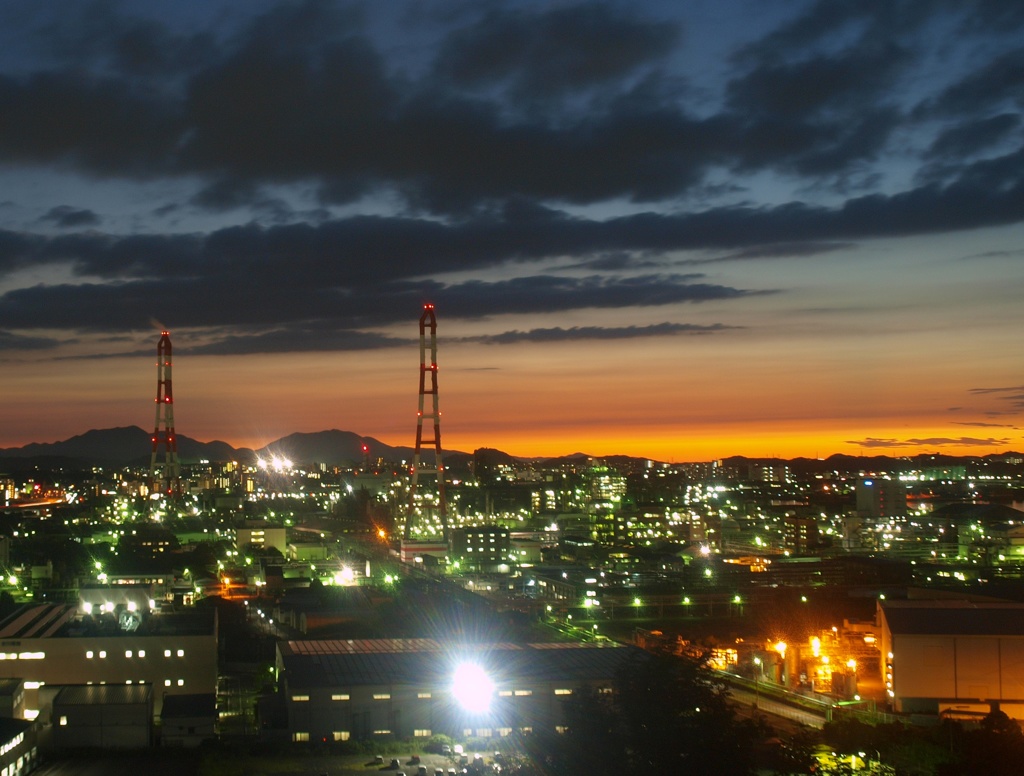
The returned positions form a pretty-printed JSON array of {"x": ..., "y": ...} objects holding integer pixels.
[{"x": 588, "y": 546}]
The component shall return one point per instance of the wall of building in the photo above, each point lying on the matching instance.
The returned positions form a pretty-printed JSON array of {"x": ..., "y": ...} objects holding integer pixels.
[
  {"x": 173, "y": 664},
  {"x": 930, "y": 668},
  {"x": 408, "y": 711}
]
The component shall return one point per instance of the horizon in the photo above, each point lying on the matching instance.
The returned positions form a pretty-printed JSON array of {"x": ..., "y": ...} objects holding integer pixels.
[
  {"x": 575, "y": 452},
  {"x": 666, "y": 229}
]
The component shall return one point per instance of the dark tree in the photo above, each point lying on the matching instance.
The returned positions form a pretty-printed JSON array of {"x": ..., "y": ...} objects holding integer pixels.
[
  {"x": 997, "y": 746},
  {"x": 666, "y": 714}
]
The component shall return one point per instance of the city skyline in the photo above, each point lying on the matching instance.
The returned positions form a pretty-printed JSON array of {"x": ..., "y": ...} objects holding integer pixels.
[{"x": 672, "y": 232}]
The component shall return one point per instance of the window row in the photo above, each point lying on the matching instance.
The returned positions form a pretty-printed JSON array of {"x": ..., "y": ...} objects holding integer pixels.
[
  {"x": 386, "y": 696},
  {"x": 90, "y": 654}
]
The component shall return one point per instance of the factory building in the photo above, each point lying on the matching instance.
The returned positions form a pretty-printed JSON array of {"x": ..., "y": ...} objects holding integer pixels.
[
  {"x": 336, "y": 690},
  {"x": 50, "y": 646},
  {"x": 953, "y": 657}
]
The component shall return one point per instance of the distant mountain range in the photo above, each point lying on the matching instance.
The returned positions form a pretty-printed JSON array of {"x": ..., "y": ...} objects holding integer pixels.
[{"x": 131, "y": 446}]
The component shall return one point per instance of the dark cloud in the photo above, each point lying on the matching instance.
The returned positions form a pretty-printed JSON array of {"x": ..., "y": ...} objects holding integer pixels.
[
  {"x": 68, "y": 217},
  {"x": 302, "y": 94},
  {"x": 11, "y": 341},
  {"x": 559, "y": 334},
  {"x": 297, "y": 339},
  {"x": 554, "y": 52},
  {"x": 969, "y": 138},
  {"x": 816, "y": 85},
  {"x": 102, "y": 125},
  {"x": 930, "y": 442},
  {"x": 273, "y": 311},
  {"x": 1013, "y": 396},
  {"x": 980, "y": 424},
  {"x": 996, "y": 85},
  {"x": 512, "y": 115},
  {"x": 777, "y": 250}
]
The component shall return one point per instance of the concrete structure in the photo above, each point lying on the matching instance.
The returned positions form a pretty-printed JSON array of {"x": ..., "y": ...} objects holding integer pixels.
[
  {"x": 411, "y": 549},
  {"x": 953, "y": 656},
  {"x": 482, "y": 547},
  {"x": 341, "y": 689},
  {"x": 12, "y": 698},
  {"x": 104, "y": 717},
  {"x": 262, "y": 535},
  {"x": 880, "y": 497},
  {"x": 54, "y": 645},
  {"x": 19, "y": 754},
  {"x": 188, "y": 720}
]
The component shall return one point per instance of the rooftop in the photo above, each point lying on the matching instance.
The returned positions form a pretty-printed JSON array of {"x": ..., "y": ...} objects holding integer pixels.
[
  {"x": 43, "y": 621},
  {"x": 420, "y": 662},
  {"x": 954, "y": 618}
]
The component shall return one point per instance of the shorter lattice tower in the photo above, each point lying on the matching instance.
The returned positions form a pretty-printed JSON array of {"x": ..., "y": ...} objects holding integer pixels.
[
  {"x": 427, "y": 322},
  {"x": 164, "y": 467}
]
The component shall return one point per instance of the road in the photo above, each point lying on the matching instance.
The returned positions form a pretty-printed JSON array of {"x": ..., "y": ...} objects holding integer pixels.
[{"x": 776, "y": 710}]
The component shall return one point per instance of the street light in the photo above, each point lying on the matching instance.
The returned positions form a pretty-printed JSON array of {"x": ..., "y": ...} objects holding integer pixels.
[{"x": 757, "y": 685}]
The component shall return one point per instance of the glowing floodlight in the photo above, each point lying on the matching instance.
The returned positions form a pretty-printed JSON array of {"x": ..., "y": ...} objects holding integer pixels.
[{"x": 472, "y": 688}]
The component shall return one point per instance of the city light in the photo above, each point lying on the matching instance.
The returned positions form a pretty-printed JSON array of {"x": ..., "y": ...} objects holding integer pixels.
[{"x": 472, "y": 687}]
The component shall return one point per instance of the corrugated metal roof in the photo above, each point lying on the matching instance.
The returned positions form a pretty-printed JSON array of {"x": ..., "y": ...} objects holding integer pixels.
[
  {"x": 189, "y": 705},
  {"x": 103, "y": 694},
  {"x": 419, "y": 662}
]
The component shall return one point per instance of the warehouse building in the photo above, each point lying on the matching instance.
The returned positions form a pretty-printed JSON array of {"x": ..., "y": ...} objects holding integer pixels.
[
  {"x": 953, "y": 657},
  {"x": 49, "y": 646},
  {"x": 336, "y": 690}
]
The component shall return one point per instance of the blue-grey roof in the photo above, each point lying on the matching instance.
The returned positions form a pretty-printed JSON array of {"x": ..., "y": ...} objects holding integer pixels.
[
  {"x": 103, "y": 695},
  {"x": 425, "y": 662},
  {"x": 189, "y": 705},
  {"x": 954, "y": 618}
]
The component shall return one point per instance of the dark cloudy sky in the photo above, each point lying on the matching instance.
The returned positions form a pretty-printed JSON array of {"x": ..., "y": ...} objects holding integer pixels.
[{"x": 676, "y": 229}]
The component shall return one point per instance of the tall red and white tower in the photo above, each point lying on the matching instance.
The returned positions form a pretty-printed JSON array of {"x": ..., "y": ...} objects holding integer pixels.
[
  {"x": 164, "y": 468},
  {"x": 428, "y": 367}
]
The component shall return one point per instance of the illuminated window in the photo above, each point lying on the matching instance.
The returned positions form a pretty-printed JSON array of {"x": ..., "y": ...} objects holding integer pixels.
[
  {"x": 563, "y": 692},
  {"x": 300, "y": 736},
  {"x": 504, "y": 693},
  {"x": 167, "y": 653},
  {"x": 63, "y": 721},
  {"x": 103, "y": 653},
  {"x": 167, "y": 682},
  {"x": 298, "y": 698},
  {"x": 342, "y": 696},
  {"x": 88, "y": 654},
  {"x": 484, "y": 733},
  {"x": 127, "y": 653},
  {"x": 422, "y": 695},
  {"x": 422, "y": 732},
  {"x": 524, "y": 692},
  {"x": 382, "y": 696},
  {"x": 382, "y": 732},
  {"x": 504, "y": 732},
  {"x": 142, "y": 653},
  {"x": 341, "y": 735},
  {"x": 181, "y": 653},
  {"x": 181, "y": 683},
  {"x": 560, "y": 728}
]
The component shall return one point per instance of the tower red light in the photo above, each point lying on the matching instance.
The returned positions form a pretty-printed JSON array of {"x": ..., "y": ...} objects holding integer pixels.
[
  {"x": 165, "y": 469},
  {"x": 428, "y": 323}
]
